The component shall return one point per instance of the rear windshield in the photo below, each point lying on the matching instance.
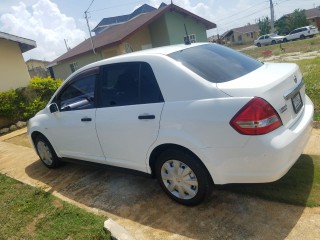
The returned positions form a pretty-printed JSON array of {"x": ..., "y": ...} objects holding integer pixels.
[{"x": 216, "y": 63}]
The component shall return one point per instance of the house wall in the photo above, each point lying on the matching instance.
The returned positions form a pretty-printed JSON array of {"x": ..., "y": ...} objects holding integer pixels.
[
  {"x": 176, "y": 31},
  {"x": 37, "y": 68},
  {"x": 13, "y": 70},
  {"x": 139, "y": 41},
  {"x": 63, "y": 70},
  {"x": 159, "y": 32},
  {"x": 245, "y": 38},
  {"x": 315, "y": 22}
]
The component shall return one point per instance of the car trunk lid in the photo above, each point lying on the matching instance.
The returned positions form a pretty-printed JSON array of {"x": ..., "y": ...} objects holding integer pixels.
[{"x": 281, "y": 84}]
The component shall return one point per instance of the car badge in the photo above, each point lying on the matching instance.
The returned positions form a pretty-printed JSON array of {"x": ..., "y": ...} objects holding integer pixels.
[{"x": 295, "y": 79}]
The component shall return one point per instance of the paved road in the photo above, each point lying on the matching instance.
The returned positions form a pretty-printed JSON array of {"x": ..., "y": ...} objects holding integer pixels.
[{"x": 140, "y": 206}]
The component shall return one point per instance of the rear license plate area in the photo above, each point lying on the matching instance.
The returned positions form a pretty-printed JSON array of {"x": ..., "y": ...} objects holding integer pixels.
[{"x": 297, "y": 102}]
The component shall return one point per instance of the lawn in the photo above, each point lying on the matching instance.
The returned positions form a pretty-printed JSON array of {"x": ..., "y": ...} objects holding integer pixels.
[
  {"x": 300, "y": 186},
  {"x": 311, "y": 72},
  {"x": 31, "y": 213},
  {"x": 307, "y": 45}
]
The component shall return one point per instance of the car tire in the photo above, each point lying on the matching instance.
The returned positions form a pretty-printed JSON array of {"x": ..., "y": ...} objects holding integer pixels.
[
  {"x": 46, "y": 153},
  {"x": 311, "y": 36},
  {"x": 302, "y": 37},
  {"x": 169, "y": 170},
  {"x": 258, "y": 44},
  {"x": 273, "y": 42},
  {"x": 285, "y": 40}
]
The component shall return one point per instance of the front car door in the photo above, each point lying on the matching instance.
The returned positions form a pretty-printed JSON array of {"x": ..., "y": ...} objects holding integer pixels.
[
  {"x": 128, "y": 116},
  {"x": 72, "y": 128}
]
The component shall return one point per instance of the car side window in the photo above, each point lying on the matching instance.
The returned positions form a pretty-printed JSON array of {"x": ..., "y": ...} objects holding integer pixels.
[
  {"x": 128, "y": 84},
  {"x": 267, "y": 37},
  {"x": 80, "y": 94}
]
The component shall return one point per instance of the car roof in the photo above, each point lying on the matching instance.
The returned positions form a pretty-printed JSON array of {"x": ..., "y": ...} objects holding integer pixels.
[{"x": 152, "y": 51}]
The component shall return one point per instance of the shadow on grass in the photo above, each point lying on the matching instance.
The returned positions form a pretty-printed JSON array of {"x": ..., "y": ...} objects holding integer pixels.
[{"x": 300, "y": 186}]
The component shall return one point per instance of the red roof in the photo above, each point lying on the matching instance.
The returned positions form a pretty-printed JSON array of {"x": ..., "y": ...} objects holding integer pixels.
[{"x": 116, "y": 34}]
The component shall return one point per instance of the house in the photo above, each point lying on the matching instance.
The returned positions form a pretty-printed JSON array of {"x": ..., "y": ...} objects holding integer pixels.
[
  {"x": 242, "y": 35},
  {"x": 37, "y": 68},
  {"x": 13, "y": 70},
  {"x": 313, "y": 16},
  {"x": 147, "y": 28}
]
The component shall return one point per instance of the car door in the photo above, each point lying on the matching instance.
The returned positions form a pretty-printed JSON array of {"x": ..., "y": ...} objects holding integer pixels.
[
  {"x": 128, "y": 116},
  {"x": 72, "y": 128}
]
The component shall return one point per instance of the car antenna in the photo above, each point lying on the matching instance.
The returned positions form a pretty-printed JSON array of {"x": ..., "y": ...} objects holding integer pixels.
[{"x": 187, "y": 38}]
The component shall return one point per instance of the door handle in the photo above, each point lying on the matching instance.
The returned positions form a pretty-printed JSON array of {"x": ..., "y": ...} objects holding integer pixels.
[
  {"x": 141, "y": 117},
  {"x": 86, "y": 119}
]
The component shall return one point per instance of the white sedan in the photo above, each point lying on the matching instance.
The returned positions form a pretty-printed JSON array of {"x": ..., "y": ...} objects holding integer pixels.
[{"x": 190, "y": 115}]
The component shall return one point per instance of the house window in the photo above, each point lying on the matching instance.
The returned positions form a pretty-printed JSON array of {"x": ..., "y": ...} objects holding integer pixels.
[
  {"x": 240, "y": 38},
  {"x": 192, "y": 38},
  {"x": 252, "y": 35},
  {"x": 74, "y": 67},
  {"x": 248, "y": 34}
]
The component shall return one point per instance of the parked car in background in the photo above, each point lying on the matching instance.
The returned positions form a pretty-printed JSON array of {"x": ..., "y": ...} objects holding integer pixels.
[
  {"x": 301, "y": 33},
  {"x": 190, "y": 115},
  {"x": 268, "y": 39}
]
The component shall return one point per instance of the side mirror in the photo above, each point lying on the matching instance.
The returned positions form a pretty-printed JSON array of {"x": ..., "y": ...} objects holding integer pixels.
[{"x": 53, "y": 107}]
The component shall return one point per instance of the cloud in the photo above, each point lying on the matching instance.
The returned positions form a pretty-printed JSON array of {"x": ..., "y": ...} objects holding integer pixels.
[{"x": 42, "y": 21}]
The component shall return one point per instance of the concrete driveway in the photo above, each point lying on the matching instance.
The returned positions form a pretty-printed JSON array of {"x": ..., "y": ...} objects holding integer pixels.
[{"x": 138, "y": 203}]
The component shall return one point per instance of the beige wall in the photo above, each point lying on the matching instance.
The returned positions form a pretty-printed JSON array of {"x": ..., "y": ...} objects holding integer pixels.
[
  {"x": 63, "y": 70},
  {"x": 35, "y": 64},
  {"x": 13, "y": 70},
  {"x": 245, "y": 38},
  {"x": 139, "y": 40}
]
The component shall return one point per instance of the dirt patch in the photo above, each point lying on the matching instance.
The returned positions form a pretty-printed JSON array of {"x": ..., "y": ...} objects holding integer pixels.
[{"x": 31, "y": 228}]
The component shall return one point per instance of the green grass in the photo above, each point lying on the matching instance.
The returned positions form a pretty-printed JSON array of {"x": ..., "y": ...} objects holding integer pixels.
[
  {"x": 31, "y": 213},
  {"x": 300, "y": 186},
  {"x": 304, "y": 46},
  {"x": 310, "y": 69}
]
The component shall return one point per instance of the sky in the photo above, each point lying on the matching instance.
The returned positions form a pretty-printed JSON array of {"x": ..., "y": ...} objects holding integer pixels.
[{"x": 51, "y": 22}]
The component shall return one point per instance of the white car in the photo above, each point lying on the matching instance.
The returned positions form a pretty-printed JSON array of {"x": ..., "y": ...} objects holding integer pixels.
[
  {"x": 190, "y": 115},
  {"x": 301, "y": 33},
  {"x": 268, "y": 39}
]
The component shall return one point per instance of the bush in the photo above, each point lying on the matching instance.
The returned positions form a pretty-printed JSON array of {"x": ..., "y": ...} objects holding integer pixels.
[{"x": 23, "y": 103}]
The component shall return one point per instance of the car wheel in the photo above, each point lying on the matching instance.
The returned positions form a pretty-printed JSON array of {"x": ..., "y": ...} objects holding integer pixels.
[
  {"x": 311, "y": 36},
  {"x": 46, "y": 153},
  {"x": 182, "y": 177},
  {"x": 258, "y": 44},
  {"x": 302, "y": 37},
  {"x": 285, "y": 40},
  {"x": 273, "y": 42}
]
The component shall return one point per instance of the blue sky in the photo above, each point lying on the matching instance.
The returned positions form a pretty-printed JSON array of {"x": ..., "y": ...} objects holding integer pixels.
[{"x": 49, "y": 22}]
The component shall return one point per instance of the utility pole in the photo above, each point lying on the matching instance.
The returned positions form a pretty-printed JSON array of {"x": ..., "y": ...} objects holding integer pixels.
[
  {"x": 65, "y": 42},
  {"x": 86, "y": 17},
  {"x": 272, "y": 16}
]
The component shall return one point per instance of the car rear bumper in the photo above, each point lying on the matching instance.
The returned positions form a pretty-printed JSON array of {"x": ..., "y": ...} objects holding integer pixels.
[{"x": 264, "y": 158}]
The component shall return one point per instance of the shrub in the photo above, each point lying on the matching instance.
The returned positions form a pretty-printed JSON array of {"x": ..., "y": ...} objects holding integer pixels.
[{"x": 23, "y": 103}]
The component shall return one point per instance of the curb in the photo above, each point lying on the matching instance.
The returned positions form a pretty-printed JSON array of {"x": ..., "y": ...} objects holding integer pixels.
[
  {"x": 13, "y": 134},
  {"x": 117, "y": 231}
]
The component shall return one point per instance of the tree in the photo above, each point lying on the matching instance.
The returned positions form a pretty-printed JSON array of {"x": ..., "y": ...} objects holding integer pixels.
[
  {"x": 289, "y": 22},
  {"x": 264, "y": 26}
]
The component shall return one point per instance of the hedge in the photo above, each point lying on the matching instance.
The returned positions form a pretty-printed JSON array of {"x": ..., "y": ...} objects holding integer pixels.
[{"x": 24, "y": 103}]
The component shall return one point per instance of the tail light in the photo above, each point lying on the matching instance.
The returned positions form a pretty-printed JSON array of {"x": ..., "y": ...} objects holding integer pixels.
[{"x": 257, "y": 117}]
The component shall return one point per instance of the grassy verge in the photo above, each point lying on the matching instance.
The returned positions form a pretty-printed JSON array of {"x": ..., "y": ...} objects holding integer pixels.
[
  {"x": 30, "y": 213},
  {"x": 300, "y": 186},
  {"x": 307, "y": 45},
  {"x": 311, "y": 72}
]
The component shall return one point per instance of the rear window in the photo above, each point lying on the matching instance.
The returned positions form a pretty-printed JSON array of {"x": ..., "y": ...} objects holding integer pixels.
[{"x": 216, "y": 63}]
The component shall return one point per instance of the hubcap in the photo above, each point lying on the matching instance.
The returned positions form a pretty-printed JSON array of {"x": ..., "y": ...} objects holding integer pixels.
[
  {"x": 45, "y": 153},
  {"x": 179, "y": 179}
]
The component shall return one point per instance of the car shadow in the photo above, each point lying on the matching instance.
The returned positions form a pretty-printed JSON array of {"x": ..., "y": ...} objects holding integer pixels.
[{"x": 226, "y": 214}]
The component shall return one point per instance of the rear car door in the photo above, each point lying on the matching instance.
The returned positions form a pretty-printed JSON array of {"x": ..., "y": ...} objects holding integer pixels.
[
  {"x": 72, "y": 129},
  {"x": 128, "y": 116}
]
